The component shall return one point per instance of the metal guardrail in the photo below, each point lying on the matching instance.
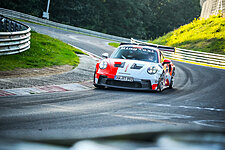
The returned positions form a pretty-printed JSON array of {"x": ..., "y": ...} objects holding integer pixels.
[
  {"x": 14, "y": 36},
  {"x": 19, "y": 15},
  {"x": 209, "y": 59}
]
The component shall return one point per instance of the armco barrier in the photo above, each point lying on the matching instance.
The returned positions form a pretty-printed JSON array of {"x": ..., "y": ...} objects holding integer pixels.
[
  {"x": 19, "y": 15},
  {"x": 14, "y": 36},
  {"x": 190, "y": 56}
]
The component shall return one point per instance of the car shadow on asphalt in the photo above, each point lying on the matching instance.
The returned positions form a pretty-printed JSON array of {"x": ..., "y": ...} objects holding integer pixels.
[{"x": 109, "y": 89}]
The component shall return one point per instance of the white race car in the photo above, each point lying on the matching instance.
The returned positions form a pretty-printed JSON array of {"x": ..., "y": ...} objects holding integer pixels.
[{"x": 135, "y": 66}]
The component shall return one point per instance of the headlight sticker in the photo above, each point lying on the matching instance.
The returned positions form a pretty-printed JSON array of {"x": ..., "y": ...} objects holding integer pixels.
[
  {"x": 103, "y": 65},
  {"x": 152, "y": 70}
]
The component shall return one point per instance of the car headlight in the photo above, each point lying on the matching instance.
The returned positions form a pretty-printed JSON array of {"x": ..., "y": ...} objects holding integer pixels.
[
  {"x": 103, "y": 65},
  {"x": 152, "y": 70}
]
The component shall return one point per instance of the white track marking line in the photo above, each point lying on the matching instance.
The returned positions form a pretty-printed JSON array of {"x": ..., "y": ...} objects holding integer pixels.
[
  {"x": 191, "y": 107},
  {"x": 204, "y": 123},
  {"x": 93, "y": 56},
  {"x": 145, "y": 119}
]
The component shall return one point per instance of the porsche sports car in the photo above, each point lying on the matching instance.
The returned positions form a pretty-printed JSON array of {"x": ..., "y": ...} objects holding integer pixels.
[{"x": 135, "y": 66}]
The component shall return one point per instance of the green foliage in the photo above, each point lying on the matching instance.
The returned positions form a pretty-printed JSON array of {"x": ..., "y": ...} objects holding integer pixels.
[
  {"x": 206, "y": 35},
  {"x": 163, "y": 40},
  {"x": 140, "y": 19},
  {"x": 114, "y": 44},
  {"x": 44, "y": 52}
]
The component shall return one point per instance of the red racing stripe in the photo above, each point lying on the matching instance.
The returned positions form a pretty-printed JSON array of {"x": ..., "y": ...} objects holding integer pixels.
[
  {"x": 167, "y": 82},
  {"x": 110, "y": 71}
]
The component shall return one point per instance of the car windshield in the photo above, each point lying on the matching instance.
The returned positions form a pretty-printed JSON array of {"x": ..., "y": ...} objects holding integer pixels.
[{"x": 136, "y": 53}]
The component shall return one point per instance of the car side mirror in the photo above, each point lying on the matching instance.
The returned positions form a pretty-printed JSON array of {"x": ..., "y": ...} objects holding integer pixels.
[{"x": 105, "y": 55}]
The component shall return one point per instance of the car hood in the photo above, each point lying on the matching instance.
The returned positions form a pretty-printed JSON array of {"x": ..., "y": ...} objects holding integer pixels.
[{"x": 132, "y": 68}]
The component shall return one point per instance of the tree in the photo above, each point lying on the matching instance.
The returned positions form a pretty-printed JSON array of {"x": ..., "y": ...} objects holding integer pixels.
[{"x": 142, "y": 19}]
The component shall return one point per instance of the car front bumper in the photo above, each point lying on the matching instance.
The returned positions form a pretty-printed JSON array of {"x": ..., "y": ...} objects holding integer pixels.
[{"x": 140, "y": 84}]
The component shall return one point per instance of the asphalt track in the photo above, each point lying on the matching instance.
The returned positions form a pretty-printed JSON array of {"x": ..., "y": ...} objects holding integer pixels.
[{"x": 196, "y": 101}]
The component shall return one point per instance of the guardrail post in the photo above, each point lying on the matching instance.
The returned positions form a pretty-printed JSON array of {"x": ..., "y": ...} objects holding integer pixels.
[
  {"x": 9, "y": 26},
  {"x": 14, "y": 26},
  {"x": 1, "y": 24},
  {"x": 17, "y": 27},
  {"x": 4, "y": 24},
  {"x": 20, "y": 28}
]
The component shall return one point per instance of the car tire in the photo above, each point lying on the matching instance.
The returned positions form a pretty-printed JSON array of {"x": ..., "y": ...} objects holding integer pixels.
[
  {"x": 94, "y": 77},
  {"x": 171, "y": 83},
  {"x": 96, "y": 85},
  {"x": 159, "y": 87}
]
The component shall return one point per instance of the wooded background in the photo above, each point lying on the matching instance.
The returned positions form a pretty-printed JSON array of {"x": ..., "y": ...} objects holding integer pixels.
[{"x": 141, "y": 19}]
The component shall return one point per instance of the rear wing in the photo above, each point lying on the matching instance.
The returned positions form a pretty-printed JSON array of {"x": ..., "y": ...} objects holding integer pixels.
[
  {"x": 160, "y": 47},
  {"x": 166, "y": 48}
]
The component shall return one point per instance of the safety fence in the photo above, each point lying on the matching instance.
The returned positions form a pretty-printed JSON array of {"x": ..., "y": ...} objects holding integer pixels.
[
  {"x": 195, "y": 57},
  {"x": 190, "y": 56},
  {"x": 14, "y": 36},
  {"x": 19, "y": 15}
]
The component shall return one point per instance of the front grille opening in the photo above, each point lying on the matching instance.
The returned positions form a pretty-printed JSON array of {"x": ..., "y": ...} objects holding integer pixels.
[
  {"x": 102, "y": 78},
  {"x": 124, "y": 84},
  {"x": 146, "y": 84}
]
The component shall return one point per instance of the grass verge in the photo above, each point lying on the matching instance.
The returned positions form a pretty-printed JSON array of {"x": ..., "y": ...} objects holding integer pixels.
[
  {"x": 21, "y": 20},
  {"x": 207, "y": 35},
  {"x": 44, "y": 52},
  {"x": 114, "y": 44}
]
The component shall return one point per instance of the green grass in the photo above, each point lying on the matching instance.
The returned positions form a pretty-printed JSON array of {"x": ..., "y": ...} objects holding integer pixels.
[
  {"x": 21, "y": 20},
  {"x": 44, "y": 52},
  {"x": 114, "y": 44},
  {"x": 207, "y": 35}
]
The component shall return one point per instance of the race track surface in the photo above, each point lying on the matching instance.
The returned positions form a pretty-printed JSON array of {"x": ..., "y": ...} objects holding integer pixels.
[{"x": 197, "y": 101}]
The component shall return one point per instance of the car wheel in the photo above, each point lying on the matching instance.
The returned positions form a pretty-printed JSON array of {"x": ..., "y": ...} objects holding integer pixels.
[
  {"x": 171, "y": 83},
  {"x": 159, "y": 87},
  {"x": 96, "y": 85}
]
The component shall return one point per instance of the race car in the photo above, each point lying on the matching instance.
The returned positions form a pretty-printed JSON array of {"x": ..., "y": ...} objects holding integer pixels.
[{"x": 137, "y": 67}]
